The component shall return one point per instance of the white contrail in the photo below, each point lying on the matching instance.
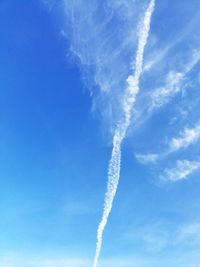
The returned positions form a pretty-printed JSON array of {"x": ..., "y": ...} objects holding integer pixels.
[{"x": 121, "y": 129}]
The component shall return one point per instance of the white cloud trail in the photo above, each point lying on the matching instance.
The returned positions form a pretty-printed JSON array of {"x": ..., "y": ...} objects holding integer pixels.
[{"x": 121, "y": 129}]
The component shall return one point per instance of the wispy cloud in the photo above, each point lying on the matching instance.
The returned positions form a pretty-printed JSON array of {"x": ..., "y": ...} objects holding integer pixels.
[
  {"x": 157, "y": 236},
  {"x": 18, "y": 260},
  {"x": 62, "y": 262},
  {"x": 190, "y": 233},
  {"x": 187, "y": 137},
  {"x": 154, "y": 236},
  {"x": 181, "y": 171},
  {"x": 177, "y": 81},
  {"x": 103, "y": 36},
  {"x": 146, "y": 158},
  {"x": 161, "y": 54},
  {"x": 163, "y": 94},
  {"x": 156, "y": 58},
  {"x": 174, "y": 83}
]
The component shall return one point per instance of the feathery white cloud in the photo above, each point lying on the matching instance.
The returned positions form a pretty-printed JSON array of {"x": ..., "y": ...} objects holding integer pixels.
[
  {"x": 146, "y": 158},
  {"x": 181, "y": 171},
  {"x": 187, "y": 137},
  {"x": 190, "y": 231},
  {"x": 18, "y": 260},
  {"x": 163, "y": 94},
  {"x": 174, "y": 83},
  {"x": 158, "y": 235}
]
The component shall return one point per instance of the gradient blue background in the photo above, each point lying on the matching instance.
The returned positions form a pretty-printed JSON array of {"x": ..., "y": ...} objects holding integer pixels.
[{"x": 54, "y": 157}]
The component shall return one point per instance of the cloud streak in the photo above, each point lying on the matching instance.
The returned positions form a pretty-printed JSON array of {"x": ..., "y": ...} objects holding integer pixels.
[
  {"x": 147, "y": 158},
  {"x": 120, "y": 133},
  {"x": 173, "y": 84},
  {"x": 187, "y": 137},
  {"x": 181, "y": 171}
]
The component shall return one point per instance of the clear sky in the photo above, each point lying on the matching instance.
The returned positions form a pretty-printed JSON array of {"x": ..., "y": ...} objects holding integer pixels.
[{"x": 64, "y": 66}]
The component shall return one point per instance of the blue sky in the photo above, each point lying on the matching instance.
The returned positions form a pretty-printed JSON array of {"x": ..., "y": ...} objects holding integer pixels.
[{"x": 64, "y": 70}]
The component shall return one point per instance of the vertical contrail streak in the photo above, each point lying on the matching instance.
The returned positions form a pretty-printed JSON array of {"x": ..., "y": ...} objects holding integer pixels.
[{"x": 122, "y": 127}]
